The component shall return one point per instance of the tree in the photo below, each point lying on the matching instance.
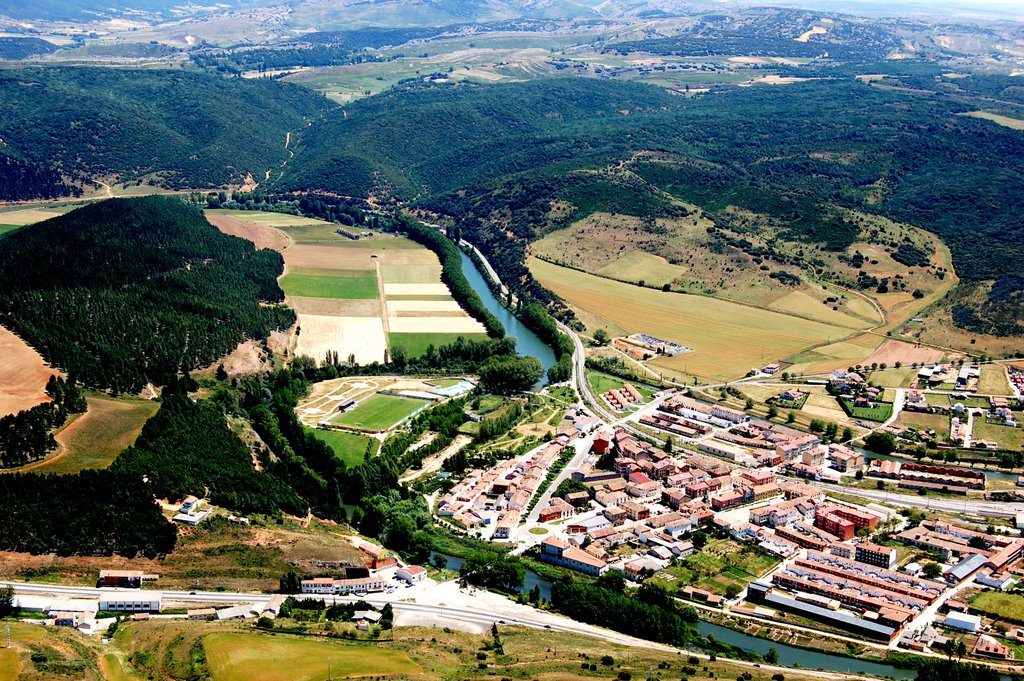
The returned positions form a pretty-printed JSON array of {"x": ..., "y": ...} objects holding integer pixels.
[
  {"x": 772, "y": 656},
  {"x": 290, "y": 583},
  {"x": 880, "y": 442},
  {"x": 773, "y": 411},
  {"x": 264, "y": 623},
  {"x": 7, "y": 605},
  {"x": 749, "y": 404},
  {"x": 505, "y": 375},
  {"x": 601, "y": 337},
  {"x": 817, "y": 426},
  {"x": 699, "y": 539},
  {"x": 669, "y": 443},
  {"x": 932, "y": 570},
  {"x": 847, "y": 434}
]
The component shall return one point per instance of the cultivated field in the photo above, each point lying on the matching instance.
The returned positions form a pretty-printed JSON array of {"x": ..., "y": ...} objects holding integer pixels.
[
  {"x": 727, "y": 338},
  {"x": 379, "y": 412},
  {"x": 332, "y": 284},
  {"x": 892, "y": 351},
  {"x": 892, "y": 378},
  {"x": 415, "y": 344},
  {"x": 1005, "y": 121},
  {"x": 243, "y": 657},
  {"x": 94, "y": 439},
  {"x": 937, "y": 422},
  {"x": 23, "y": 375}
]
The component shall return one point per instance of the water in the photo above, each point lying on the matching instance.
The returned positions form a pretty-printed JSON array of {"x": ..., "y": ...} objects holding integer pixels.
[
  {"x": 527, "y": 341},
  {"x": 989, "y": 473},
  {"x": 808, "y": 659},
  {"x": 531, "y": 579}
]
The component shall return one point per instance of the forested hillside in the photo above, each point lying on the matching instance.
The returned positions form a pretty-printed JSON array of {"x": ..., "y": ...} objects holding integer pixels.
[
  {"x": 129, "y": 291},
  {"x": 184, "y": 129},
  {"x": 791, "y": 154}
]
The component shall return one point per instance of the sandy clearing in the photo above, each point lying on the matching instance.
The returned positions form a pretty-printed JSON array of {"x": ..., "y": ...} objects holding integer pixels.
[
  {"x": 416, "y": 290},
  {"x": 436, "y": 325},
  {"x": 892, "y": 351},
  {"x": 817, "y": 30},
  {"x": 261, "y": 235},
  {"x": 23, "y": 375},
  {"x": 396, "y": 306},
  {"x": 359, "y": 336},
  {"x": 335, "y": 307}
]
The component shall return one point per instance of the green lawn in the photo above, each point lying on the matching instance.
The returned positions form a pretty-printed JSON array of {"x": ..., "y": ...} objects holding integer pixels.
[
  {"x": 347, "y": 284},
  {"x": 892, "y": 378},
  {"x": 8, "y": 228},
  {"x": 242, "y": 657},
  {"x": 601, "y": 383},
  {"x": 880, "y": 412},
  {"x": 379, "y": 412},
  {"x": 415, "y": 344},
  {"x": 1008, "y": 438},
  {"x": 1002, "y": 605},
  {"x": 349, "y": 447}
]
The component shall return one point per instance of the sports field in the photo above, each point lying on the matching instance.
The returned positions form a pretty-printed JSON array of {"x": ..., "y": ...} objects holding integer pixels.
[
  {"x": 727, "y": 338},
  {"x": 348, "y": 284},
  {"x": 244, "y": 657},
  {"x": 349, "y": 447},
  {"x": 415, "y": 344},
  {"x": 379, "y": 412}
]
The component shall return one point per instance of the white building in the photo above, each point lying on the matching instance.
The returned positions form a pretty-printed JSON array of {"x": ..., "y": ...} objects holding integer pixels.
[
  {"x": 413, "y": 574},
  {"x": 139, "y": 601},
  {"x": 961, "y": 620}
]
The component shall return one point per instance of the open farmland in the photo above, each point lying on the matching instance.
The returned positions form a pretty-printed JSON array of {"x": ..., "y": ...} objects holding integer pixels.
[
  {"x": 23, "y": 375},
  {"x": 341, "y": 289},
  {"x": 994, "y": 381},
  {"x": 379, "y": 412},
  {"x": 94, "y": 439},
  {"x": 242, "y": 657},
  {"x": 727, "y": 338}
]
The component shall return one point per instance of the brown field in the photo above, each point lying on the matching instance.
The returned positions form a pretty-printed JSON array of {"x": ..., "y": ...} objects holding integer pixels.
[
  {"x": 336, "y": 307},
  {"x": 261, "y": 235},
  {"x": 94, "y": 439},
  {"x": 23, "y": 375},
  {"x": 892, "y": 351},
  {"x": 361, "y": 336},
  {"x": 328, "y": 258}
]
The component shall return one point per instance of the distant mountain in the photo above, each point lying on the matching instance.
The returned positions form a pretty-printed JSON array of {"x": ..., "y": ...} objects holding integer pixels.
[{"x": 89, "y": 10}]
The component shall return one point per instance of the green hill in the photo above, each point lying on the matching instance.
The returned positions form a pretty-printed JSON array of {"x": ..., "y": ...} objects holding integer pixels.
[
  {"x": 178, "y": 129},
  {"x": 129, "y": 291},
  {"x": 499, "y": 158}
]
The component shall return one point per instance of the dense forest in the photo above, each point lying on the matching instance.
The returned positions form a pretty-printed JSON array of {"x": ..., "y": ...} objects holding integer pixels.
[
  {"x": 792, "y": 154},
  {"x": 183, "y": 129},
  {"x": 129, "y": 291},
  {"x": 89, "y": 513},
  {"x": 28, "y": 435}
]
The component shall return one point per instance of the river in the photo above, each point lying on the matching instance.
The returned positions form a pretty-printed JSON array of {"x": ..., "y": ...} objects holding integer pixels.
[
  {"x": 788, "y": 655},
  {"x": 798, "y": 657},
  {"x": 527, "y": 341}
]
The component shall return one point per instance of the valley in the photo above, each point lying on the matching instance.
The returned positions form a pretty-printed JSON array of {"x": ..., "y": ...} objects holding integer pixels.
[{"x": 525, "y": 340}]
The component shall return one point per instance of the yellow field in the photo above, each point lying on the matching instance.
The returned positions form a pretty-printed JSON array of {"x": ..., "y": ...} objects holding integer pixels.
[
  {"x": 1005, "y": 121},
  {"x": 242, "y": 657},
  {"x": 727, "y": 338},
  {"x": 23, "y": 375},
  {"x": 833, "y": 356},
  {"x": 639, "y": 264},
  {"x": 993, "y": 380},
  {"x": 10, "y": 666},
  {"x": 30, "y": 216},
  {"x": 802, "y": 305}
]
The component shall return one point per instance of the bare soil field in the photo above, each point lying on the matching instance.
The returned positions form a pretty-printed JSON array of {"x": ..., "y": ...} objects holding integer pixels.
[
  {"x": 435, "y": 324},
  {"x": 328, "y": 258},
  {"x": 23, "y": 375},
  {"x": 261, "y": 235},
  {"x": 892, "y": 351},
  {"x": 335, "y": 307},
  {"x": 395, "y": 306}
]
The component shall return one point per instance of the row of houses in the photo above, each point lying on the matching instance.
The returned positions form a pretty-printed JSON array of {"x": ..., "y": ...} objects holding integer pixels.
[{"x": 952, "y": 478}]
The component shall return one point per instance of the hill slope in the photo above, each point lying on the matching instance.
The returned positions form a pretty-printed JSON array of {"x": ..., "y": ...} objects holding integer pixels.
[
  {"x": 134, "y": 290},
  {"x": 510, "y": 162},
  {"x": 182, "y": 130}
]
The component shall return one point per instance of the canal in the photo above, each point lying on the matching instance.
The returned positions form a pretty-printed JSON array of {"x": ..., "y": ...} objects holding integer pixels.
[{"x": 527, "y": 342}]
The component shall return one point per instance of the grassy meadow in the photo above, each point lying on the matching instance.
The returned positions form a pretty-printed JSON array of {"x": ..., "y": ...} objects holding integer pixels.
[
  {"x": 727, "y": 338},
  {"x": 344, "y": 284},
  {"x": 349, "y": 447},
  {"x": 415, "y": 344}
]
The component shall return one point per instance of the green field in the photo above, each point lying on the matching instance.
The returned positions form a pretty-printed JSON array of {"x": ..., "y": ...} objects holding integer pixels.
[
  {"x": 727, "y": 338},
  {"x": 94, "y": 439},
  {"x": 718, "y": 566},
  {"x": 242, "y": 657},
  {"x": 601, "y": 383},
  {"x": 346, "y": 284},
  {"x": 1001, "y": 605},
  {"x": 892, "y": 378},
  {"x": 1008, "y": 438},
  {"x": 880, "y": 412},
  {"x": 415, "y": 344},
  {"x": 349, "y": 447},
  {"x": 8, "y": 228},
  {"x": 379, "y": 412}
]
